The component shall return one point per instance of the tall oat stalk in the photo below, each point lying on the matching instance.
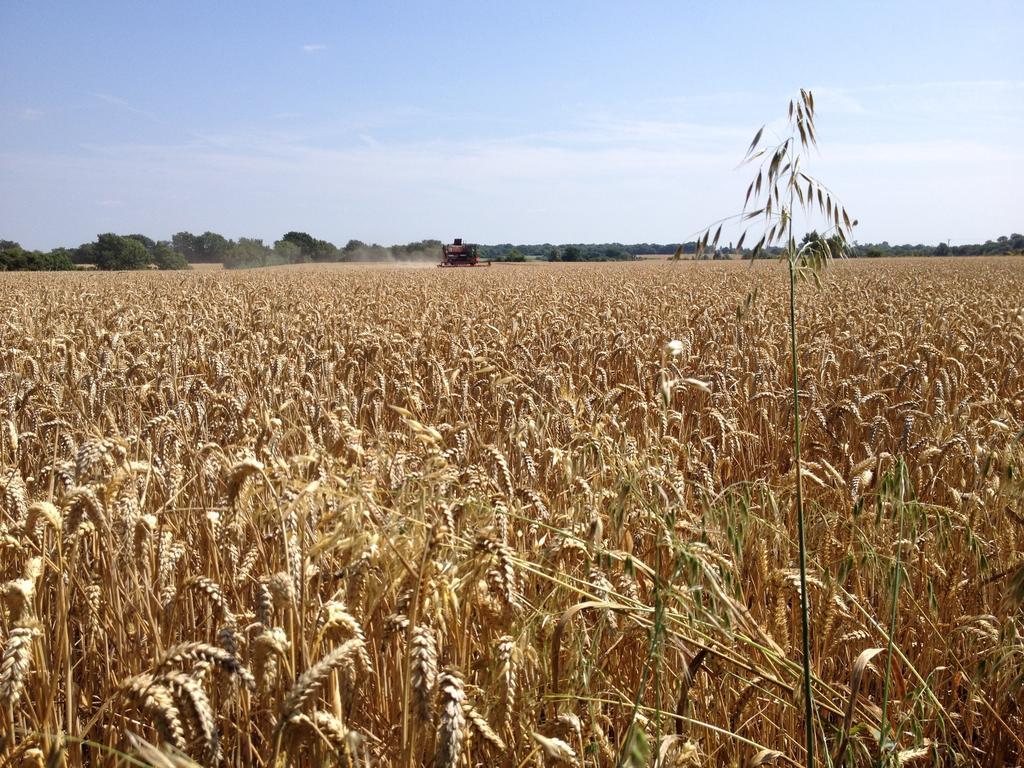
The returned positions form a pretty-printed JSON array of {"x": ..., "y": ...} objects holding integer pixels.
[
  {"x": 780, "y": 192},
  {"x": 902, "y": 481}
]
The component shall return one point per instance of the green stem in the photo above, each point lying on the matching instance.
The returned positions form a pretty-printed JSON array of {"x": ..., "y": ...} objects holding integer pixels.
[
  {"x": 804, "y": 609},
  {"x": 884, "y": 732}
]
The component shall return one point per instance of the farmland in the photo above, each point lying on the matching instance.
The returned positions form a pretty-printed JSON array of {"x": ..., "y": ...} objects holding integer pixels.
[{"x": 516, "y": 516}]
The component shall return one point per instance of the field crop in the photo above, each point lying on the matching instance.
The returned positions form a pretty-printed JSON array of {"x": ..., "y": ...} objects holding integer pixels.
[{"x": 515, "y": 516}]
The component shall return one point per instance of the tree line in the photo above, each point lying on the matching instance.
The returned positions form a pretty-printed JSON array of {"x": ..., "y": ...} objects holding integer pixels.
[
  {"x": 570, "y": 251},
  {"x": 123, "y": 252},
  {"x": 108, "y": 252},
  {"x": 1004, "y": 245},
  {"x": 301, "y": 247},
  {"x": 130, "y": 252}
]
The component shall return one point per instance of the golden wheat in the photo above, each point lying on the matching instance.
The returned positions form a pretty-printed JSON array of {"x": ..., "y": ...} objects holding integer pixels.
[{"x": 517, "y": 516}]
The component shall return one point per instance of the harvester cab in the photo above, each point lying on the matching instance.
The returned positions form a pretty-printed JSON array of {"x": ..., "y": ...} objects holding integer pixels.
[{"x": 460, "y": 254}]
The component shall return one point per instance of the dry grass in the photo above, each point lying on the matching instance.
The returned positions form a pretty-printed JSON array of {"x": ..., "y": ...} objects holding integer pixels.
[{"x": 409, "y": 517}]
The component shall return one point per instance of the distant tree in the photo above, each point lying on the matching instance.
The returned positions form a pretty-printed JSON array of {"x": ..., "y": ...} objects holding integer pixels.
[
  {"x": 185, "y": 244},
  {"x": 305, "y": 242},
  {"x": 165, "y": 257},
  {"x": 12, "y": 256},
  {"x": 147, "y": 243},
  {"x": 57, "y": 260},
  {"x": 515, "y": 256},
  {"x": 288, "y": 252},
  {"x": 377, "y": 252},
  {"x": 942, "y": 249},
  {"x": 247, "y": 252},
  {"x": 212, "y": 247},
  {"x": 207, "y": 248},
  {"x": 250, "y": 252},
  {"x": 311, "y": 248},
  {"x": 84, "y": 254},
  {"x": 324, "y": 250},
  {"x": 356, "y": 250},
  {"x": 553, "y": 255},
  {"x": 418, "y": 249},
  {"x": 116, "y": 252},
  {"x": 616, "y": 253},
  {"x": 571, "y": 253},
  {"x": 834, "y": 242},
  {"x": 15, "y": 258}
]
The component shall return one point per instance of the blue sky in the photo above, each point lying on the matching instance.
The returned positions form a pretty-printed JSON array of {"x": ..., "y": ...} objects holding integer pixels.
[{"x": 522, "y": 122}]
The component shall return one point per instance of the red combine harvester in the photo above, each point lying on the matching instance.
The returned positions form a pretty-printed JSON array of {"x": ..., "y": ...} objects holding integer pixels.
[{"x": 460, "y": 254}]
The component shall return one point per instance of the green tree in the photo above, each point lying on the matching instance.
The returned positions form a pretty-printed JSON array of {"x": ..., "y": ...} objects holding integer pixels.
[
  {"x": 288, "y": 252},
  {"x": 419, "y": 249},
  {"x": 311, "y": 248},
  {"x": 14, "y": 258},
  {"x": 207, "y": 248},
  {"x": 165, "y": 257},
  {"x": 186, "y": 244},
  {"x": 305, "y": 242},
  {"x": 616, "y": 253},
  {"x": 147, "y": 242},
  {"x": 114, "y": 252},
  {"x": 249, "y": 252},
  {"x": 57, "y": 260},
  {"x": 84, "y": 254},
  {"x": 571, "y": 253},
  {"x": 324, "y": 250},
  {"x": 212, "y": 247}
]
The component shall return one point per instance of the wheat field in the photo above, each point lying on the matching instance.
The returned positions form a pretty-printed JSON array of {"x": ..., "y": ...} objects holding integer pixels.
[{"x": 516, "y": 516}]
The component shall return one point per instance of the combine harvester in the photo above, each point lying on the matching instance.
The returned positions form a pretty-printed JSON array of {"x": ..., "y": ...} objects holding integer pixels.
[{"x": 460, "y": 254}]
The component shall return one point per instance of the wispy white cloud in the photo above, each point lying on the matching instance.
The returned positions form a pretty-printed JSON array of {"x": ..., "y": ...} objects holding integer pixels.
[
  {"x": 126, "y": 106},
  {"x": 838, "y": 101},
  {"x": 842, "y": 99},
  {"x": 944, "y": 85},
  {"x": 526, "y": 189},
  {"x": 604, "y": 177},
  {"x": 614, "y": 130},
  {"x": 29, "y": 114},
  {"x": 926, "y": 100},
  {"x": 313, "y": 47}
]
